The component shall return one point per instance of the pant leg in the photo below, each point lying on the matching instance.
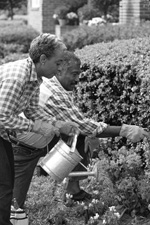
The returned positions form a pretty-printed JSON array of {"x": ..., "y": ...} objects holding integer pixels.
[
  {"x": 6, "y": 180},
  {"x": 80, "y": 147},
  {"x": 24, "y": 168}
]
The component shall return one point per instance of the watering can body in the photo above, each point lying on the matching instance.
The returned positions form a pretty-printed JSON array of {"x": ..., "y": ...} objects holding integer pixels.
[{"x": 60, "y": 161}]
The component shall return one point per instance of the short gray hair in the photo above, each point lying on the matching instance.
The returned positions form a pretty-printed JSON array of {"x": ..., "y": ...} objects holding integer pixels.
[{"x": 45, "y": 43}]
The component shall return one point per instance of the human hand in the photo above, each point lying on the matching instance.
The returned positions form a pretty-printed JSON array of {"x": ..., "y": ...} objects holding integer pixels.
[
  {"x": 45, "y": 128},
  {"x": 68, "y": 128},
  {"x": 134, "y": 133}
]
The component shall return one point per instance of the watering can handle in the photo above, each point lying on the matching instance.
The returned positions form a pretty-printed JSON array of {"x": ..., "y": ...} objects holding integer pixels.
[{"x": 73, "y": 147}]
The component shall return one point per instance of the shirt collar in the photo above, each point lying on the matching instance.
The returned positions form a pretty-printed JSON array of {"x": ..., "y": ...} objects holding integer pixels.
[
  {"x": 54, "y": 78},
  {"x": 33, "y": 72}
]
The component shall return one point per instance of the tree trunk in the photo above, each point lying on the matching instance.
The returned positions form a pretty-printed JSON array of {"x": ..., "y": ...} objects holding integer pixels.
[{"x": 11, "y": 13}]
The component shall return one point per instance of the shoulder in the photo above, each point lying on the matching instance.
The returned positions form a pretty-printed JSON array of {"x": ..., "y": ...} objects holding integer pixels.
[{"x": 15, "y": 70}]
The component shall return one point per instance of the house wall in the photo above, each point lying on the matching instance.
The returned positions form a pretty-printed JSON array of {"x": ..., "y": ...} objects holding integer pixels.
[
  {"x": 133, "y": 11},
  {"x": 47, "y": 12},
  {"x": 41, "y": 18},
  {"x": 35, "y": 15}
]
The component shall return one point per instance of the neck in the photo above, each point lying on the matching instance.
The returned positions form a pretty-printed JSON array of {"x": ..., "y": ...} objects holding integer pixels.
[{"x": 38, "y": 70}]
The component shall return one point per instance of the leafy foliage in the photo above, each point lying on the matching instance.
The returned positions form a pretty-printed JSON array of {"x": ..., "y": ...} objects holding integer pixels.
[
  {"x": 104, "y": 5},
  {"x": 85, "y": 35},
  {"x": 15, "y": 37},
  {"x": 114, "y": 87},
  {"x": 11, "y": 4},
  {"x": 86, "y": 13},
  {"x": 114, "y": 84}
]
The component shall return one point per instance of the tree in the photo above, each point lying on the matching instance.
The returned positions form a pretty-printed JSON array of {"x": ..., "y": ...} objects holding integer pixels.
[
  {"x": 104, "y": 5},
  {"x": 74, "y": 5},
  {"x": 11, "y": 4}
]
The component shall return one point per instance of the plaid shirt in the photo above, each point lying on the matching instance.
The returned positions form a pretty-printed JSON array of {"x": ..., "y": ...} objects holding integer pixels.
[
  {"x": 19, "y": 91},
  {"x": 58, "y": 102}
]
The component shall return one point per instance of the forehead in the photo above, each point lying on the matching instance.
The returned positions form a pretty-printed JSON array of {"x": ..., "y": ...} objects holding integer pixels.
[
  {"x": 59, "y": 52},
  {"x": 73, "y": 66}
]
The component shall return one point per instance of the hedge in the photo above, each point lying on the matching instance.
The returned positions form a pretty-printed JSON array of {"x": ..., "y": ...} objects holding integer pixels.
[
  {"x": 85, "y": 35},
  {"x": 13, "y": 57},
  {"x": 15, "y": 36},
  {"x": 114, "y": 84}
]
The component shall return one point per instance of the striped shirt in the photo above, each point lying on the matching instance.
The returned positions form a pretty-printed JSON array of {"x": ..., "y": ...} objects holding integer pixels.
[
  {"x": 58, "y": 102},
  {"x": 19, "y": 92}
]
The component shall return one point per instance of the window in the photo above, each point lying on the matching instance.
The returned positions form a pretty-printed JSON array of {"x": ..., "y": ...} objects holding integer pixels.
[{"x": 35, "y": 4}]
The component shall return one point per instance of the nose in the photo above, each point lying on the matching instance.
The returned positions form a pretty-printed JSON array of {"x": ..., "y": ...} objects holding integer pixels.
[{"x": 77, "y": 78}]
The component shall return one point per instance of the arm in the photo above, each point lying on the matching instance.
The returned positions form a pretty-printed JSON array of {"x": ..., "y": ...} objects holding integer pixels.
[
  {"x": 61, "y": 105},
  {"x": 11, "y": 104},
  {"x": 132, "y": 132},
  {"x": 110, "y": 131}
]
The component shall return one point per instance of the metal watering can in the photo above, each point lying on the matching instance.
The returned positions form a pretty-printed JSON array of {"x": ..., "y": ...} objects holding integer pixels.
[{"x": 62, "y": 159}]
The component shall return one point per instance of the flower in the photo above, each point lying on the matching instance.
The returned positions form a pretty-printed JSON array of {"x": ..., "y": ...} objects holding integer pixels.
[
  {"x": 61, "y": 11},
  {"x": 104, "y": 221},
  {"x": 117, "y": 215},
  {"x": 112, "y": 208},
  {"x": 71, "y": 16},
  {"x": 55, "y": 16},
  {"x": 96, "y": 216}
]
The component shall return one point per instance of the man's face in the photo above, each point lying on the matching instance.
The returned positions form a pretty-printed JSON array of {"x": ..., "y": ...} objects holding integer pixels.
[
  {"x": 69, "y": 77},
  {"x": 50, "y": 66}
]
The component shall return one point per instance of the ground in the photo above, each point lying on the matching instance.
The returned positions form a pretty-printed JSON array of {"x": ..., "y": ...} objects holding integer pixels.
[{"x": 45, "y": 206}]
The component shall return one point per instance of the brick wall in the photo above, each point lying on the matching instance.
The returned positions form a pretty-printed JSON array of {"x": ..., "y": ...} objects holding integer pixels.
[
  {"x": 47, "y": 12},
  {"x": 41, "y": 19}
]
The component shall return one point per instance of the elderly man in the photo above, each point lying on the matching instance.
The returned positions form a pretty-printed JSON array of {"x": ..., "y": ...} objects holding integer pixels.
[
  {"x": 56, "y": 99},
  {"x": 19, "y": 91}
]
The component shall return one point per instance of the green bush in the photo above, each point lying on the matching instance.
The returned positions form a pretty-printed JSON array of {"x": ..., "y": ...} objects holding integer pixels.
[
  {"x": 17, "y": 33},
  {"x": 114, "y": 87},
  {"x": 13, "y": 57},
  {"x": 85, "y": 35},
  {"x": 86, "y": 13}
]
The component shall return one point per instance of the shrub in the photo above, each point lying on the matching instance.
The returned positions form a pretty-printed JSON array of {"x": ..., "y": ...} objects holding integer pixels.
[
  {"x": 87, "y": 13},
  {"x": 17, "y": 33},
  {"x": 13, "y": 57},
  {"x": 114, "y": 87},
  {"x": 61, "y": 11},
  {"x": 85, "y": 35}
]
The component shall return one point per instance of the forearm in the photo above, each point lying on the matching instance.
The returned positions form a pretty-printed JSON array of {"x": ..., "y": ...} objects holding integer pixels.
[
  {"x": 13, "y": 123},
  {"x": 110, "y": 131},
  {"x": 131, "y": 132}
]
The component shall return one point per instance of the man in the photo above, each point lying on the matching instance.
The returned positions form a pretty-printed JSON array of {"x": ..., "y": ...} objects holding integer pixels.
[
  {"x": 19, "y": 92},
  {"x": 56, "y": 99}
]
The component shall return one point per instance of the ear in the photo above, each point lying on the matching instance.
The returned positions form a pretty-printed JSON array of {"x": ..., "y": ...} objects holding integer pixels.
[
  {"x": 60, "y": 69},
  {"x": 43, "y": 59}
]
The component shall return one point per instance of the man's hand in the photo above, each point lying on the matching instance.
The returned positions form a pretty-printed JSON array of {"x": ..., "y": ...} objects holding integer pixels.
[
  {"x": 134, "y": 133},
  {"x": 68, "y": 128},
  {"x": 45, "y": 128},
  {"x": 50, "y": 128}
]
